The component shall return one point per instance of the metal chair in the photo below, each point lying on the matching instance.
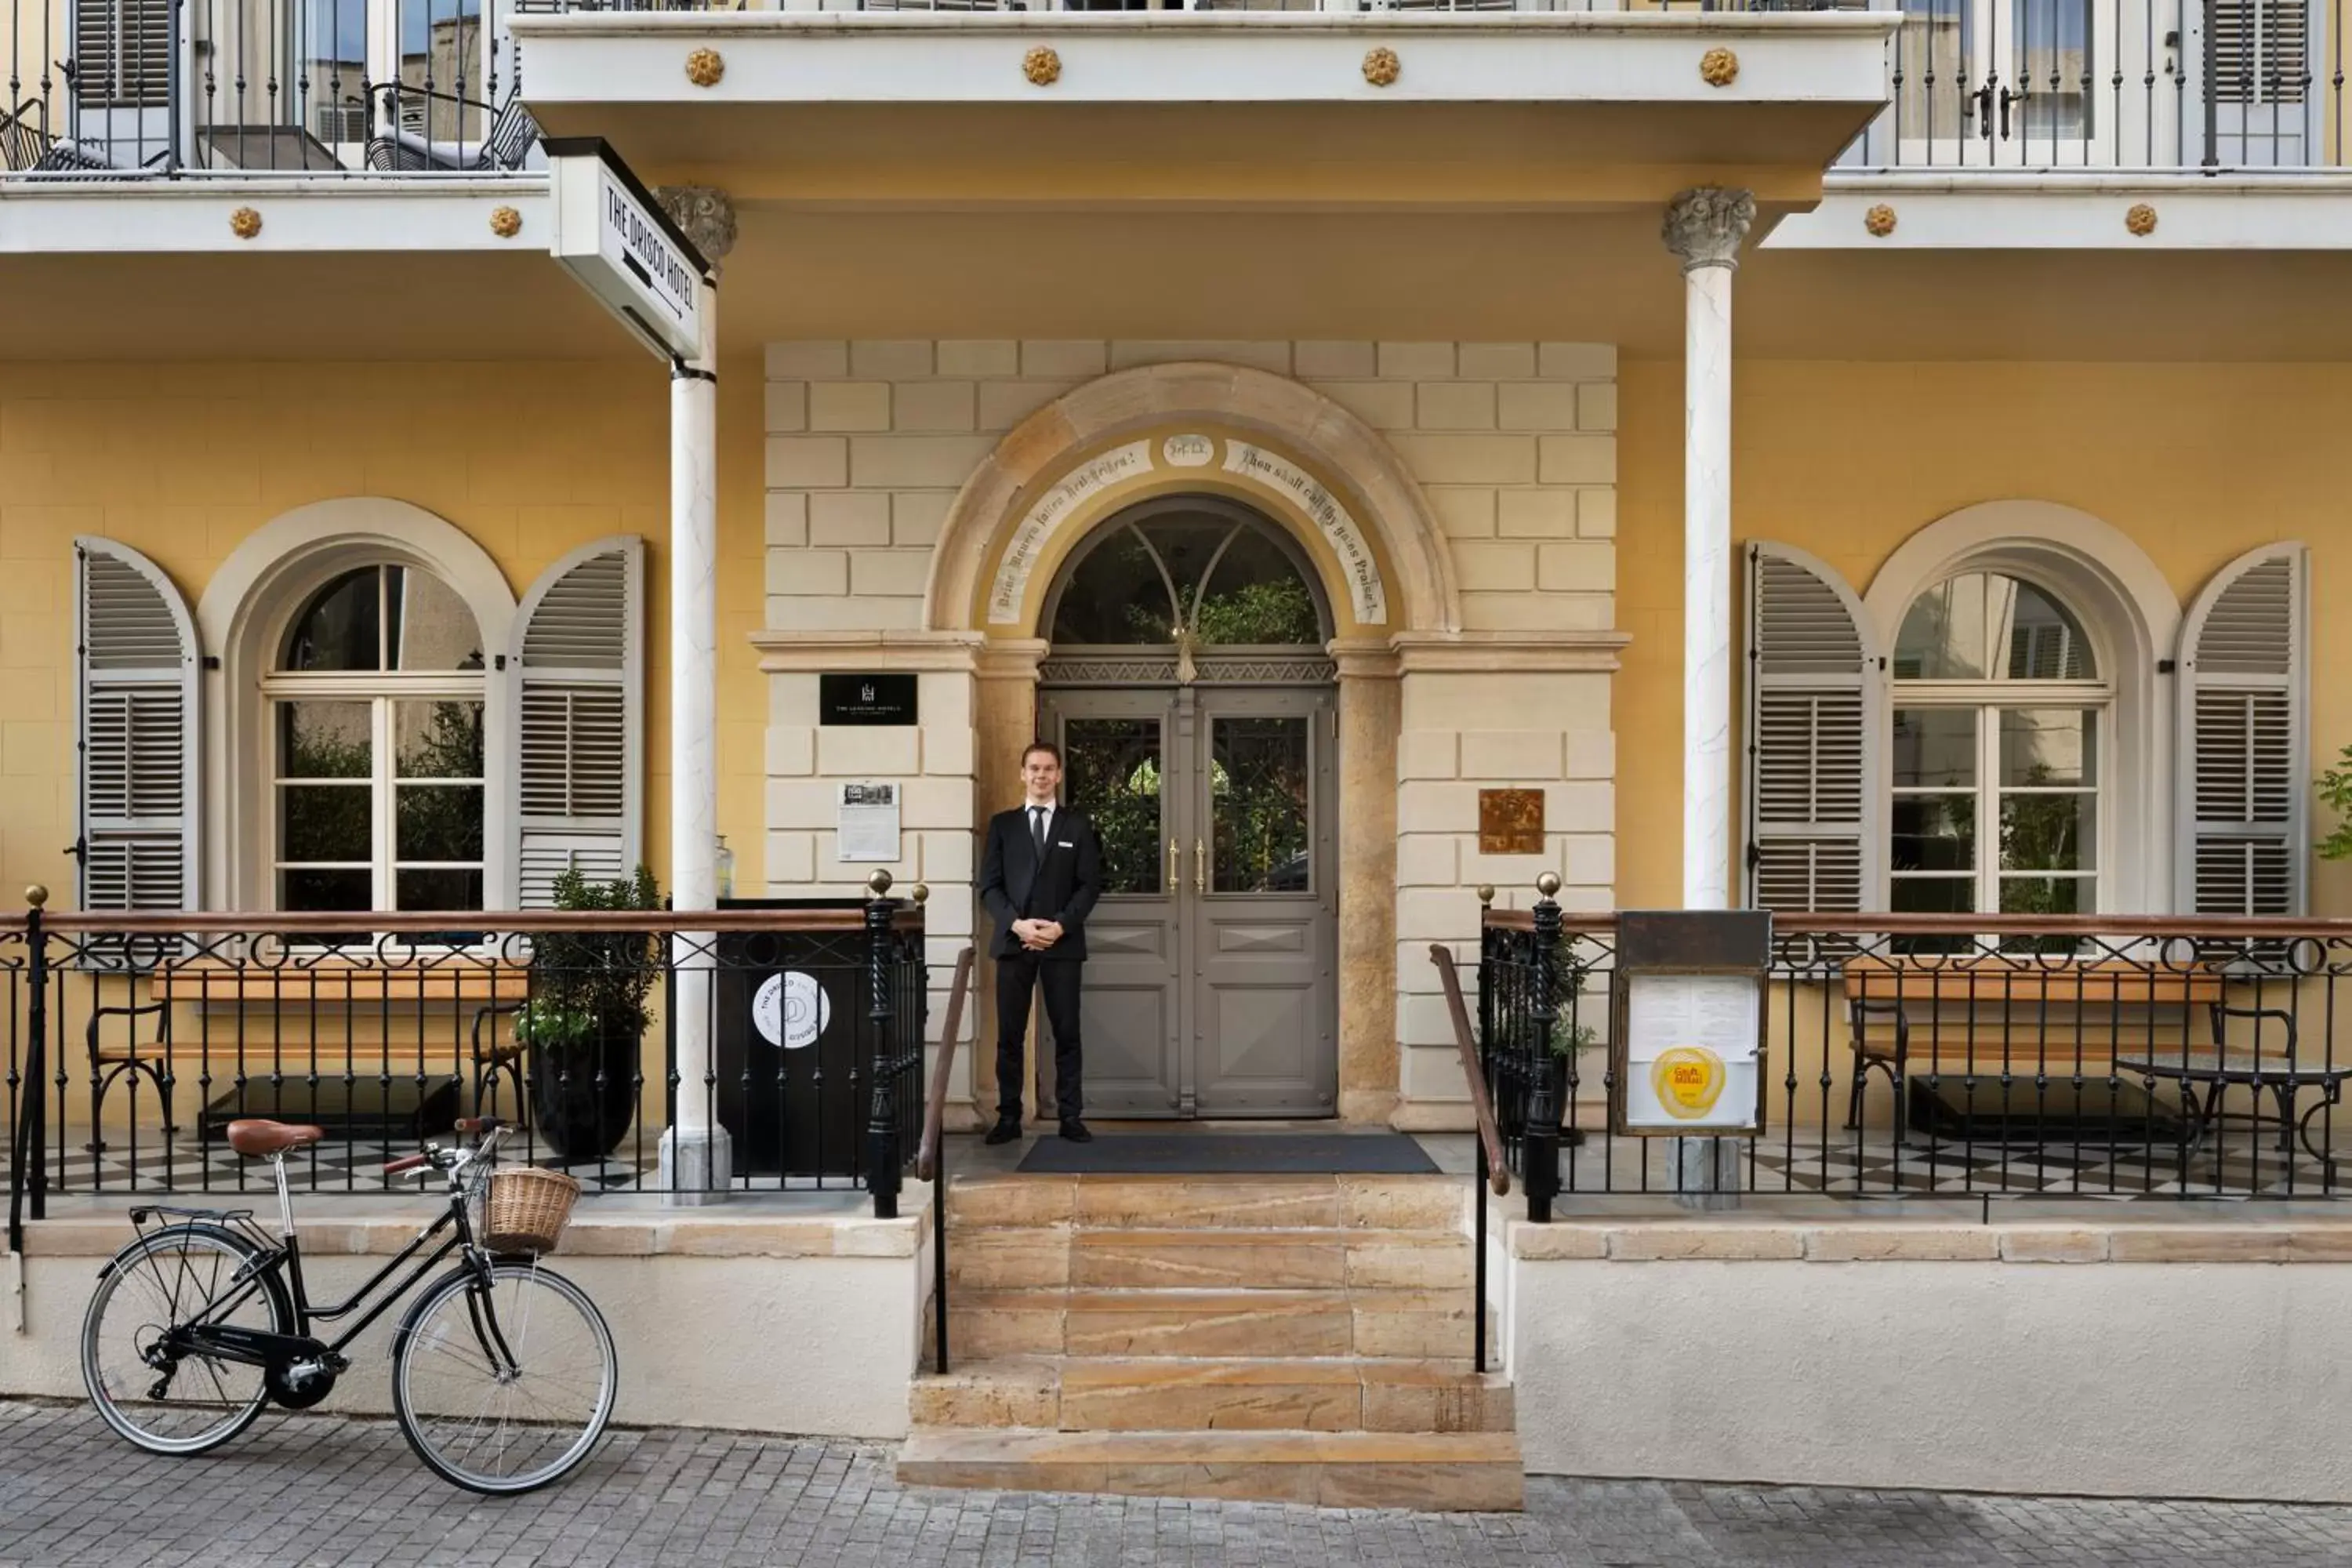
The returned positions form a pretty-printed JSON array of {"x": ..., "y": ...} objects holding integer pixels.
[
  {"x": 495, "y": 1058},
  {"x": 1868, "y": 1054},
  {"x": 108, "y": 1064}
]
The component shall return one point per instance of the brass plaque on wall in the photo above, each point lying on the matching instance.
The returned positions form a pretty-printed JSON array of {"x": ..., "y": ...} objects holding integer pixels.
[{"x": 1510, "y": 822}]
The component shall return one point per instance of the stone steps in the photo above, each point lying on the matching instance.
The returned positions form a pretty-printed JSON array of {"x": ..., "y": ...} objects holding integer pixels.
[
  {"x": 1437, "y": 1471},
  {"x": 1407, "y": 1324},
  {"x": 1303, "y": 1339},
  {"x": 1110, "y": 1394},
  {"x": 1052, "y": 1257}
]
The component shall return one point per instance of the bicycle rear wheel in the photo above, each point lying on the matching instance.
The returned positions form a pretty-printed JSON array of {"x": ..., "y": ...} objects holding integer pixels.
[
  {"x": 504, "y": 1387},
  {"x": 182, "y": 1403}
]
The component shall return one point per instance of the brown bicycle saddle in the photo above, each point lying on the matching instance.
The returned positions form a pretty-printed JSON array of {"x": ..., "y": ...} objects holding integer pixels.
[{"x": 257, "y": 1138}]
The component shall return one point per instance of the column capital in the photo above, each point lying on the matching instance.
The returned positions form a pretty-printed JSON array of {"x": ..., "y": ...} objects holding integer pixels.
[
  {"x": 707, "y": 213},
  {"x": 1705, "y": 226}
]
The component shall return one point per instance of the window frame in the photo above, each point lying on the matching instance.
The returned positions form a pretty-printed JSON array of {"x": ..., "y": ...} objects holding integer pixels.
[
  {"x": 383, "y": 691},
  {"x": 1988, "y": 700}
]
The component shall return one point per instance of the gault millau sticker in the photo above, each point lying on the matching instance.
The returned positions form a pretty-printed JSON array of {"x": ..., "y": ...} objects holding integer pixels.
[{"x": 1688, "y": 1080}]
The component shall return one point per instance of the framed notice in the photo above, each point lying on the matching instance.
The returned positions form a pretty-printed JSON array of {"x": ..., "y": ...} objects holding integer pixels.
[
  {"x": 1689, "y": 1034},
  {"x": 866, "y": 825}
]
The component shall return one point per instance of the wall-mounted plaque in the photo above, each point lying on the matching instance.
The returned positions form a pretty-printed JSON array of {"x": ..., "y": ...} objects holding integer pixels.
[
  {"x": 1510, "y": 822},
  {"x": 866, "y": 699},
  {"x": 867, "y": 825}
]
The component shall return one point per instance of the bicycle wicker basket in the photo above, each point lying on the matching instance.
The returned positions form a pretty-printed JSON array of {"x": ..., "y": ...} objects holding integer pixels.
[{"x": 526, "y": 1210}]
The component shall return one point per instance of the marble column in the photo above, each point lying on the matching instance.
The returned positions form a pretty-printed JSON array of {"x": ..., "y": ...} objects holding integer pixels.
[
  {"x": 696, "y": 1159},
  {"x": 1705, "y": 227}
]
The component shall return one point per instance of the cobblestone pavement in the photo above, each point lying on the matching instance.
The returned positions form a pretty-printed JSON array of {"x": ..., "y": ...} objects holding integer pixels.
[{"x": 325, "y": 1491}]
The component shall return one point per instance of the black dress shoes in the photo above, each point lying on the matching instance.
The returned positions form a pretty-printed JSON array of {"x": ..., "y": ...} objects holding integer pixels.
[
  {"x": 1006, "y": 1130},
  {"x": 1075, "y": 1131}
]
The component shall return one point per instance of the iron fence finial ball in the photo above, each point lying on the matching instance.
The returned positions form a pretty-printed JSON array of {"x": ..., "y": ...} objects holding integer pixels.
[
  {"x": 878, "y": 883},
  {"x": 921, "y": 891},
  {"x": 37, "y": 895},
  {"x": 1486, "y": 892},
  {"x": 1547, "y": 884}
]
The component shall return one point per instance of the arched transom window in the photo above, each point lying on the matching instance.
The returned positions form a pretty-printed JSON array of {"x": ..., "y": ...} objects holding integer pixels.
[
  {"x": 1190, "y": 574},
  {"x": 376, "y": 737},
  {"x": 1999, "y": 715}
]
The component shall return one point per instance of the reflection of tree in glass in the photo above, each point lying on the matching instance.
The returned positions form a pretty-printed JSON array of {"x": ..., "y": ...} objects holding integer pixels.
[
  {"x": 443, "y": 824},
  {"x": 1278, "y": 611},
  {"x": 2040, "y": 832},
  {"x": 1114, "y": 778},
  {"x": 434, "y": 824},
  {"x": 1257, "y": 793}
]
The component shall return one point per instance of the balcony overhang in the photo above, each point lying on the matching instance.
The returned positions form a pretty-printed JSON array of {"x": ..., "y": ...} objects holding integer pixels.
[
  {"x": 1214, "y": 110},
  {"x": 355, "y": 267},
  {"x": 2121, "y": 210}
]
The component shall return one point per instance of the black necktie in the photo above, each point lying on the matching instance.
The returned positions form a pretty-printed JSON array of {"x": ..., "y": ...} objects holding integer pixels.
[{"x": 1037, "y": 830}]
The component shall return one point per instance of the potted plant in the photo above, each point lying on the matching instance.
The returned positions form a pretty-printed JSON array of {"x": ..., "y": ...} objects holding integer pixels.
[
  {"x": 1569, "y": 1037},
  {"x": 583, "y": 1027}
]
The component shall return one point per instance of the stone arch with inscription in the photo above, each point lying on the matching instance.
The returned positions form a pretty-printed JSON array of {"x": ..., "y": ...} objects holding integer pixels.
[
  {"x": 1309, "y": 466},
  {"x": 1278, "y": 445}
]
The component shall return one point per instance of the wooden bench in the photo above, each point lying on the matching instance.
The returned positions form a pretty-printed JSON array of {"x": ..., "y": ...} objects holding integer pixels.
[{"x": 1994, "y": 1013}]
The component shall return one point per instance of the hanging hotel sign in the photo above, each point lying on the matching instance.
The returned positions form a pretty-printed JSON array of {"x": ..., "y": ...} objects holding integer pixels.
[
  {"x": 1243, "y": 462},
  {"x": 1689, "y": 1037},
  {"x": 613, "y": 237}
]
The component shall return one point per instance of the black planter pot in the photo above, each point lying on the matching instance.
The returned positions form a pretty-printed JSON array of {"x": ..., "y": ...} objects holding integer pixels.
[{"x": 584, "y": 1096}]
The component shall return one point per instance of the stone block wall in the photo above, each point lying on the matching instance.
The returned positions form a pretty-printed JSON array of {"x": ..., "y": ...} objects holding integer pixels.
[{"x": 1515, "y": 446}]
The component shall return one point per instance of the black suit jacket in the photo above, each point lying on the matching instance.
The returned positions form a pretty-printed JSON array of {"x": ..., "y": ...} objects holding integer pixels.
[{"x": 1066, "y": 887}]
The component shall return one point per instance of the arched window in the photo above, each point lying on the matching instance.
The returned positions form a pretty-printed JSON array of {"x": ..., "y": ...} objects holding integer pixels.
[
  {"x": 1194, "y": 572},
  {"x": 1998, "y": 720},
  {"x": 376, "y": 718}
]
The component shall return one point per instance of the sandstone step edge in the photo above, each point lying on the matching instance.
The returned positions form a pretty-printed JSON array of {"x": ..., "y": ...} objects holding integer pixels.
[{"x": 1480, "y": 1472}]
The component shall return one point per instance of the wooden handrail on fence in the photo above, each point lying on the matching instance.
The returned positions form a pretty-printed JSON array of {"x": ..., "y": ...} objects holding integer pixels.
[
  {"x": 1489, "y": 1138},
  {"x": 2214, "y": 928},
  {"x": 927, "y": 1157},
  {"x": 498, "y": 923}
]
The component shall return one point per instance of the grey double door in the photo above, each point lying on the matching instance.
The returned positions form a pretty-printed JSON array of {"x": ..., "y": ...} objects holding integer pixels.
[{"x": 1210, "y": 987}]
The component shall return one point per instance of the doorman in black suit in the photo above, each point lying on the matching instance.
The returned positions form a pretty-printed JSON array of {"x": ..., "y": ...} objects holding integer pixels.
[{"x": 1039, "y": 877}]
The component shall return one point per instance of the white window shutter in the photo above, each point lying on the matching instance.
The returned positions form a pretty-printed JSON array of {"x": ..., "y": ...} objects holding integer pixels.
[
  {"x": 2244, "y": 722},
  {"x": 135, "y": 652},
  {"x": 579, "y": 721},
  {"x": 1814, "y": 719}
]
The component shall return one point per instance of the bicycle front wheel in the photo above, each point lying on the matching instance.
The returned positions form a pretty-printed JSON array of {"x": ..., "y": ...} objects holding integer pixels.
[
  {"x": 505, "y": 1385},
  {"x": 144, "y": 1379}
]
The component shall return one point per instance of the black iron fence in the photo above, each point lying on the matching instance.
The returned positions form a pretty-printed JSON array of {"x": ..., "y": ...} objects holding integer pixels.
[
  {"x": 118, "y": 88},
  {"x": 1940, "y": 1057},
  {"x": 134, "y": 1041},
  {"x": 2035, "y": 84},
  {"x": 122, "y": 89}
]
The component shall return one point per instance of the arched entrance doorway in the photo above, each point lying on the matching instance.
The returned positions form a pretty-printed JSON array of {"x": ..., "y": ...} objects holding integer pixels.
[{"x": 1188, "y": 686}]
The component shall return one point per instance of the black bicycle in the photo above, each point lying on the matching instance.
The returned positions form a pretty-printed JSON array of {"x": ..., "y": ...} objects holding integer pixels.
[{"x": 503, "y": 1375}]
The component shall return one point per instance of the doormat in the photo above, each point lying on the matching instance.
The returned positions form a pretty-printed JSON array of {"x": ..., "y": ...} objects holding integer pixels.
[{"x": 1229, "y": 1153}]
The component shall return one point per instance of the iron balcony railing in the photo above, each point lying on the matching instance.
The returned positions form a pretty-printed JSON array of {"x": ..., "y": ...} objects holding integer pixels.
[
  {"x": 122, "y": 89},
  {"x": 131, "y": 1042},
  {"x": 1938, "y": 1056}
]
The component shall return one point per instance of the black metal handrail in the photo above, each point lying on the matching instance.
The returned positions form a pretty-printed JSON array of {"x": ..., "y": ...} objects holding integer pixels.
[
  {"x": 1494, "y": 1171},
  {"x": 930, "y": 1156},
  {"x": 385, "y": 1027}
]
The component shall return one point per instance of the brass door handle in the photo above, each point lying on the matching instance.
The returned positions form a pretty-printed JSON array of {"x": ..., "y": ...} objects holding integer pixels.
[
  {"x": 1200, "y": 867},
  {"x": 1175, "y": 865}
]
